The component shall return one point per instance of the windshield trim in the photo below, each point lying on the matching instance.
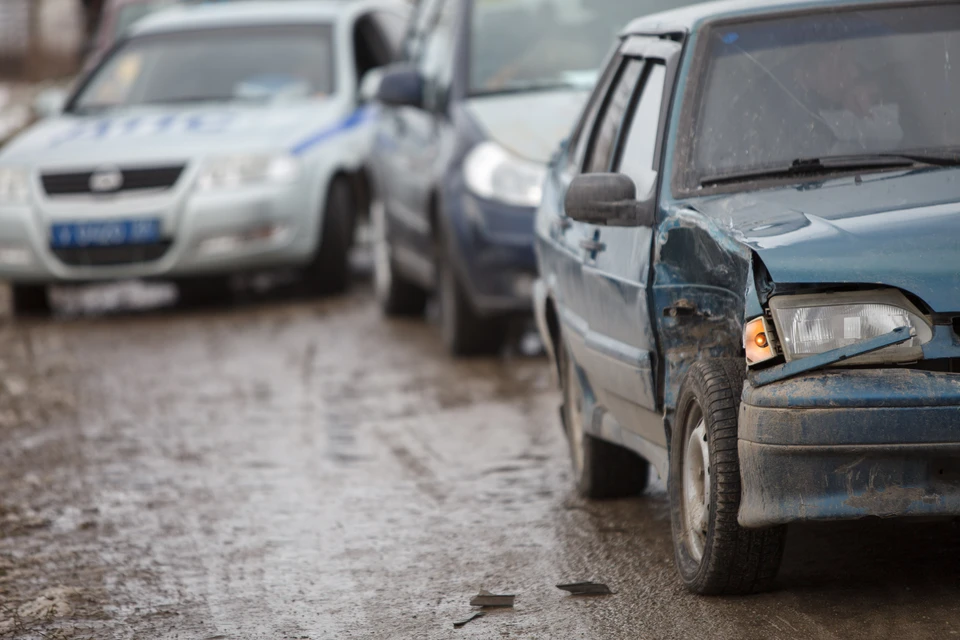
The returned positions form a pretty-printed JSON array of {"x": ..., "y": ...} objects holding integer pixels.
[
  {"x": 684, "y": 180},
  {"x": 120, "y": 45}
]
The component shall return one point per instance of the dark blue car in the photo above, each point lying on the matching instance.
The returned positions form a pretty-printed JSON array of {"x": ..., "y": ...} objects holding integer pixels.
[
  {"x": 468, "y": 123},
  {"x": 750, "y": 273}
]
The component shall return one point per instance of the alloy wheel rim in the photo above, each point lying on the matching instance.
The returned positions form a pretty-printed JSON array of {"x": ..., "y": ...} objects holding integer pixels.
[
  {"x": 696, "y": 490},
  {"x": 382, "y": 270}
]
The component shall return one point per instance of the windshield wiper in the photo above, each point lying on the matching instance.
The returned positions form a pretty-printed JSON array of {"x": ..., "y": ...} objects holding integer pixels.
[{"x": 819, "y": 166}]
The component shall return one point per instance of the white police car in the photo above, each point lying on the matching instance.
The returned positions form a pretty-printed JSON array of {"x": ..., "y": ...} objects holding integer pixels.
[{"x": 212, "y": 140}]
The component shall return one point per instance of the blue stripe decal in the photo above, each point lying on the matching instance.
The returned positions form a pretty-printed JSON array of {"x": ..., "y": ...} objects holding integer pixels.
[{"x": 355, "y": 119}]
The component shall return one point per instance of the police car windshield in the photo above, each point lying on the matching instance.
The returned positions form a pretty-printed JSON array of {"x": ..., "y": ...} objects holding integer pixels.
[
  {"x": 521, "y": 45},
  {"x": 215, "y": 65},
  {"x": 862, "y": 83}
]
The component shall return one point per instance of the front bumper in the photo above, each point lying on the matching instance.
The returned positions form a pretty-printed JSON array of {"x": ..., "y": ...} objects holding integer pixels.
[
  {"x": 495, "y": 251},
  {"x": 244, "y": 229},
  {"x": 835, "y": 445}
]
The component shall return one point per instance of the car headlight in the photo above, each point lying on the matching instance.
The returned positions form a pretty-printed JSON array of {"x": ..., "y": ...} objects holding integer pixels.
[
  {"x": 14, "y": 185},
  {"x": 494, "y": 173},
  {"x": 242, "y": 170},
  {"x": 813, "y": 323}
]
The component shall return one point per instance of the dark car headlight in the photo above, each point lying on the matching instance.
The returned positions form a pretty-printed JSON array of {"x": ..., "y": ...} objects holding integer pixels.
[
  {"x": 808, "y": 324},
  {"x": 494, "y": 173}
]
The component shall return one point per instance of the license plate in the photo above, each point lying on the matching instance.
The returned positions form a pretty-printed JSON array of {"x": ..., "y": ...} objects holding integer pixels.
[{"x": 108, "y": 233}]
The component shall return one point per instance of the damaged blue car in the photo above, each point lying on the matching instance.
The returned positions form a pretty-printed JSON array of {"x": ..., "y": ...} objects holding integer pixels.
[{"x": 749, "y": 251}]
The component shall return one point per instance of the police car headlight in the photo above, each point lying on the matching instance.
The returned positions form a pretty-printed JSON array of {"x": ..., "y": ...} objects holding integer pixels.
[
  {"x": 494, "y": 173},
  {"x": 813, "y": 323},
  {"x": 14, "y": 185},
  {"x": 243, "y": 170}
]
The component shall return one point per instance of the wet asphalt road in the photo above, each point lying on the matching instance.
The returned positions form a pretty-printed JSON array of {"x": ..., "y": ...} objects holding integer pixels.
[{"x": 304, "y": 469}]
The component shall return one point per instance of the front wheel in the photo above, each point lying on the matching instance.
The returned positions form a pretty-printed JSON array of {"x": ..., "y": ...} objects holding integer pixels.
[
  {"x": 601, "y": 469},
  {"x": 329, "y": 270},
  {"x": 464, "y": 331},
  {"x": 29, "y": 300},
  {"x": 714, "y": 554},
  {"x": 397, "y": 295}
]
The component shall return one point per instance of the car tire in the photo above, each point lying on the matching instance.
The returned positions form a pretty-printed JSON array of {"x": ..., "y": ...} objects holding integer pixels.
[
  {"x": 29, "y": 300},
  {"x": 464, "y": 331},
  {"x": 601, "y": 469},
  {"x": 329, "y": 270},
  {"x": 714, "y": 554},
  {"x": 208, "y": 291},
  {"x": 396, "y": 295}
]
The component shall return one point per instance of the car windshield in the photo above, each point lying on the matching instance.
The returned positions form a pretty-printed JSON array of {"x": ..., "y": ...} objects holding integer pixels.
[
  {"x": 785, "y": 92},
  {"x": 528, "y": 44},
  {"x": 217, "y": 65},
  {"x": 130, "y": 13}
]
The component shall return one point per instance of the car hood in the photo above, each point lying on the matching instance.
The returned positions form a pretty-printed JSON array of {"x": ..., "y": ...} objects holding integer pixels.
[
  {"x": 897, "y": 229},
  {"x": 154, "y": 133},
  {"x": 530, "y": 124}
]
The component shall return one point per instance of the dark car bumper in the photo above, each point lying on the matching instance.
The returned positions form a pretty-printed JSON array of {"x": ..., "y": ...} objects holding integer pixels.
[
  {"x": 495, "y": 252},
  {"x": 845, "y": 445}
]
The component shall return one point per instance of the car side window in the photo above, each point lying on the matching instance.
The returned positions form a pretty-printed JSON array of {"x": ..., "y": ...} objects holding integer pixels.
[
  {"x": 436, "y": 63},
  {"x": 393, "y": 27},
  {"x": 419, "y": 27},
  {"x": 606, "y": 132},
  {"x": 641, "y": 127},
  {"x": 581, "y": 133}
]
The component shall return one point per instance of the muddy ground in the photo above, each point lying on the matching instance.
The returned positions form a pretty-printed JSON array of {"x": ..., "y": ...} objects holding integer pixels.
[{"x": 301, "y": 468}]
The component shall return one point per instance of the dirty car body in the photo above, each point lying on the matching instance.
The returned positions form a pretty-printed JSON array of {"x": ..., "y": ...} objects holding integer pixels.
[
  {"x": 205, "y": 144},
  {"x": 796, "y": 226}
]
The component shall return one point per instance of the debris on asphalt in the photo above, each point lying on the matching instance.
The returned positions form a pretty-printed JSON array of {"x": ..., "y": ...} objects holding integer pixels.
[
  {"x": 487, "y": 599},
  {"x": 473, "y": 616},
  {"x": 586, "y": 589}
]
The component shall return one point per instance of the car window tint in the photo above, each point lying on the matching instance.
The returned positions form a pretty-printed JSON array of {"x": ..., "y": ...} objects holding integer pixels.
[
  {"x": 579, "y": 137},
  {"x": 640, "y": 142},
  {"x": 600, "y": 154}
]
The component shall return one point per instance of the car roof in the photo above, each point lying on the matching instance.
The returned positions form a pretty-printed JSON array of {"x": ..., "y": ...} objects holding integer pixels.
[
  {"x": 691, "y": 17},
  {"x": 253, "y": 12}
]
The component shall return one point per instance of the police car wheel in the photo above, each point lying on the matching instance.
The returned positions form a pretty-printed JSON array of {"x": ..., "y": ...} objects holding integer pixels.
[
  {"x": 29, "y": 300},
  {"x": 714, "y": 554},
  {"x": 464, "y": 332},
  {"x": 329, "y": 271},
  {"x": 397, "y": 295},
  {"x": 205, "y": 291},
  {"x": 601, "y": 469}
]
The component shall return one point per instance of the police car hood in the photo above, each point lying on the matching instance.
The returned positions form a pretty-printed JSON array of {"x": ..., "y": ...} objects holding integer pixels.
[
  {"x": 899, "y": 229},
  {"x": 529, "y": 124},
  {"x": 151, "y": 133}
]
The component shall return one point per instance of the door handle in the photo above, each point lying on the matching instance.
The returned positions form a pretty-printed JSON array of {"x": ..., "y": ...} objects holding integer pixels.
[{"x": 593, "y": 246}]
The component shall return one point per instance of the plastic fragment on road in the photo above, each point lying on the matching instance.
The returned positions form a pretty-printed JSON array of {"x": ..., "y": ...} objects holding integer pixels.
[
  {"x": 473, "y": 616},
  {"x": 487, "y": 599},
  {"x": 586, "y": 589}
]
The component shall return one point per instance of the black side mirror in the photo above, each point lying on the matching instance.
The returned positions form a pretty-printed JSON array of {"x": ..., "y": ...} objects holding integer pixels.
[
  {"x": 401, "y": 86},
  {"x": 608, "y": 199}
]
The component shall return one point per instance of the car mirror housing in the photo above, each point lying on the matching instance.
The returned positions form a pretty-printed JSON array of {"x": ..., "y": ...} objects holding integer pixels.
[
  {"x": 401, "y": 85},
  {"x": 608, "y": 199}
]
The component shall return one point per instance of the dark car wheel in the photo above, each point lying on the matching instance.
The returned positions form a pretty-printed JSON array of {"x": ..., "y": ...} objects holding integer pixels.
[
  {"x": 601, "y": 469},
  {"x": 464, "y": 331},
  {"x": 715, "y": 555},
  {"x": 397, "y": 295},
  {"x": 29, "y": 300},
  {"x": 206, "y": 291},
  {"x": 329, "y": 271}
]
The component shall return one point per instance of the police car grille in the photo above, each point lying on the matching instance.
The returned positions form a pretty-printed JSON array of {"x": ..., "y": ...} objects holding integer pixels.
[
  {"x": 62, "y": 184},
  {"x": 103, "y": 256}
]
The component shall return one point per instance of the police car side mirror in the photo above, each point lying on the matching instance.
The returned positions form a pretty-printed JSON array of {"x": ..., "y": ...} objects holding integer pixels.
[
  {"x": 401, "y": 86},
  {"x": 608, "y": 199},
  {"x": 49, "y": 102},
  {"x": 370, "y": 85}
]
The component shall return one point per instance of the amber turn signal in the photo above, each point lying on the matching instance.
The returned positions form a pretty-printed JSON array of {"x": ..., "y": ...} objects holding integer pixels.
[{"x": 756, "y": 343}]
